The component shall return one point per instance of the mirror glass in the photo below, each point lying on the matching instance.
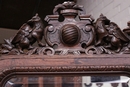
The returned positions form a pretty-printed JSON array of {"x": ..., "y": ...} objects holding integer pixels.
[{"x": 68, "y": 81}]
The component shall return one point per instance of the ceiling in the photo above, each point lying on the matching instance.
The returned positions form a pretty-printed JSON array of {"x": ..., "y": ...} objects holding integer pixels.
[{"x": 13, "y": 13}]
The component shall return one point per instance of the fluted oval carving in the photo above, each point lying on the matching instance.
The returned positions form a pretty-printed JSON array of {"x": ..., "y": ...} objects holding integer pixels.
[{"x": 70, "y": 34}]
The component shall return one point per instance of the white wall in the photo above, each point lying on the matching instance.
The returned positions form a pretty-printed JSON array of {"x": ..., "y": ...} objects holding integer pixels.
[{"x": 117, "y": 11}]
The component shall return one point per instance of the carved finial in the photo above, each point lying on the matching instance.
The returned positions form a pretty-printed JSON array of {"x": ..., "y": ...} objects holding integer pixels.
[{"x": 68, "y": 5}]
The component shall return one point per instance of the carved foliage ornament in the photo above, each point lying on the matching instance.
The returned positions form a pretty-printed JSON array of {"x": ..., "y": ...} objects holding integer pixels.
[{"x": 64, "y": 34}]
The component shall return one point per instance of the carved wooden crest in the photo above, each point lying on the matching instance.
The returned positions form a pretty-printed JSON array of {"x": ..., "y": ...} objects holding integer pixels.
[{"x": 69, "y": 31}]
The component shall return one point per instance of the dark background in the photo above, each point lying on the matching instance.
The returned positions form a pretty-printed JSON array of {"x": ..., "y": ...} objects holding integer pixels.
[{"x": 13, "y": 13}]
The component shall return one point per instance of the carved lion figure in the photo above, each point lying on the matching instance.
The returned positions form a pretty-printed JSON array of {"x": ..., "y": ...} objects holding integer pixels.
[
  {"x": 27, "y": 35},
  {"x": 100, "y": 28},
  {"x": 116, "y": 38}
]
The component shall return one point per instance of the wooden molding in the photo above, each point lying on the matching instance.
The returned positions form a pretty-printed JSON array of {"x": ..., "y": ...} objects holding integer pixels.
[{"x": 62, "y": 65}]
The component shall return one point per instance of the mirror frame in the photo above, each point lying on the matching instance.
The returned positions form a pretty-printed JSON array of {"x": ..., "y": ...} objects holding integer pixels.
[{"x": 12, "y": 65}]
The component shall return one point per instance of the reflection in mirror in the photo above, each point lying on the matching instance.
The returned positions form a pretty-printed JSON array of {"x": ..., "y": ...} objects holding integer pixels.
[{"x": 68, "y": 81}]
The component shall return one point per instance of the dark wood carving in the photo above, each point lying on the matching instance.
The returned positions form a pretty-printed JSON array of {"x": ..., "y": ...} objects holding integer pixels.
[
  {"x": 64, "y": 34},
  {"x": 27, "y": 35}
]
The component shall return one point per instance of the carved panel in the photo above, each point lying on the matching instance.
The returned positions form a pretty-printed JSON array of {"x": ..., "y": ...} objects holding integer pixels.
[{"x": 64, "y": 34}]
